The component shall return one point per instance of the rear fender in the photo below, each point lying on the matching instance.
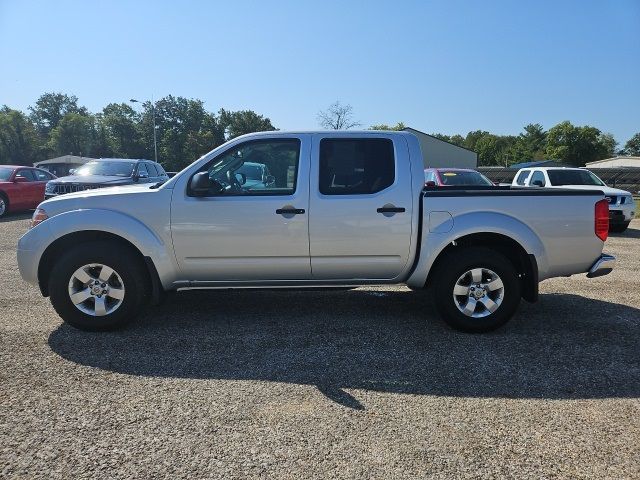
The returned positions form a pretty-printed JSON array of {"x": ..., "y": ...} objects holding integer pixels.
[{"x": 432, "y": 244}]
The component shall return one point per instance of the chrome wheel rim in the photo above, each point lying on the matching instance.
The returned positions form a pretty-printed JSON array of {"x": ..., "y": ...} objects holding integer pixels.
[
  {"x": 96, "y": 289},
  {"x": 3, "y": 207},
  {"x": 478, "y": 292}
]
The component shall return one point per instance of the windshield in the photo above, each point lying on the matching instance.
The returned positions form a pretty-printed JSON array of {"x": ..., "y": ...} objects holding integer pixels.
[
  {"x": 252, "y": 171},
  {"x": 573, "y": 177},
  {"x": 456, "y": 177},
  {"x": 116, "y": 169},
  {"x": 5, "y": 173}
]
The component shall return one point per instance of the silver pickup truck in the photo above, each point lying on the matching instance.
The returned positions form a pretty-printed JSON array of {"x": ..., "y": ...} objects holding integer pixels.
[{"x": 342, "y": 209}]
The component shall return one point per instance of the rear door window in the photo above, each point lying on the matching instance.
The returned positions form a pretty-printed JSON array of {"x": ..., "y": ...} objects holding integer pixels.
[
  {"x": 151, "y": 168},
  {"x": 522, "y": 177},
  {"x": 142, "y": 169},
  {"x": 28, "y": 174},
  {"x": 537, "y": 176},
  {"x": 42, "y": 176},
  {"x": 356, "y": 165}
]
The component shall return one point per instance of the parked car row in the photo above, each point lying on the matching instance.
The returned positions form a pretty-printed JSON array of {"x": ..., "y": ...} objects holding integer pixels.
[
  {"x": 24, "y": 188},
  {"x": 621, "y": 204}
]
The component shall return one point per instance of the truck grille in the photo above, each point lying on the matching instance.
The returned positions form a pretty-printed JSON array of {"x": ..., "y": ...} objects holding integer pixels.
[{"x": 70, "y": 187}]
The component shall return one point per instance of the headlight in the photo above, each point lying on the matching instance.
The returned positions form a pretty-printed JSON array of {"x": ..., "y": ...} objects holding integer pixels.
[
  {"x": 39, "y": 216},
  {"x": 50, "y": 188}
]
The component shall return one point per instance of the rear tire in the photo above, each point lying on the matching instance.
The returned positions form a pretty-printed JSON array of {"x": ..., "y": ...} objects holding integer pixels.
[
  {"x": 98, "y": 286},
  {"x": 476, "y": 289}
]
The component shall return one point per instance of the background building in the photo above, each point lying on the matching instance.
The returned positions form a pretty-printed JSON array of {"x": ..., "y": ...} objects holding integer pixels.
[
  {"x": 624, "y": 161},
  {"x": 438, "y": 153},
  {"x": 60, "y": 166}
]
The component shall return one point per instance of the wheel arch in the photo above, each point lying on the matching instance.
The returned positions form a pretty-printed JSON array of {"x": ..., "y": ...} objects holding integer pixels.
[
  {"x": 63, "y": 243},
  {"x": 524, "y": 262}
]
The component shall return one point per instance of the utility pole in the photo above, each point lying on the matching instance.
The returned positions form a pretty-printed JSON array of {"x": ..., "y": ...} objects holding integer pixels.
[{"x": 153, "y": 114}]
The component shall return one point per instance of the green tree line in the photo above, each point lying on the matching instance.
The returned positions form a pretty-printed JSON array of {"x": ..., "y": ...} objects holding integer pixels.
[
  {"x": 56, "y": 125},
  {"x": 564, "y": 142}
]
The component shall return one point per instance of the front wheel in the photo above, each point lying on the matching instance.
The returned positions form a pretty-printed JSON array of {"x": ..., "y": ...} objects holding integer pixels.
[
  {"x": 98, "y": 286},
  {"x": 4, "y": 205},
  {"x": 476, "y": 289},
  {"x": 620, "y": 227}
]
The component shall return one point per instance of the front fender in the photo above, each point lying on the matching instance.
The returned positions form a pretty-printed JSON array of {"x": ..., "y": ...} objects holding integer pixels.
[
  {"x": 34, "y": 243},
  {"x": 432, "y": 244}
]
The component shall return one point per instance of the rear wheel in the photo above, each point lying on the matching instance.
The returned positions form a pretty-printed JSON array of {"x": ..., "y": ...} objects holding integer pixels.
[
  {"x": 476, "y": 289},
  {"x": 98, "y": 286}
]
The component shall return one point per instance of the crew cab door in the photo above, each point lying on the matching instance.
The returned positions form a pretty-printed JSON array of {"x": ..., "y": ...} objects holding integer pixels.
[
  {"x": 360, "y": 208},
  {"x": 252, "y": 233}
]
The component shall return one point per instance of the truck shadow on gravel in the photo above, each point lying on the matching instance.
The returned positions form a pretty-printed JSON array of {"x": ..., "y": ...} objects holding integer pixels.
[
  {"x": 566, "y": 346},
  {"x": 628, "y": 233}
]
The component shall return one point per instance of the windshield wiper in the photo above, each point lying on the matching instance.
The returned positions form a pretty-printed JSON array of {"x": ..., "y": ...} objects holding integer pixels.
[{"x": 157, "y": 185}]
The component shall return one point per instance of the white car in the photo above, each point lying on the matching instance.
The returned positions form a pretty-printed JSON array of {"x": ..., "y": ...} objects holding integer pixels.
[{"x": 621, "y": 204}]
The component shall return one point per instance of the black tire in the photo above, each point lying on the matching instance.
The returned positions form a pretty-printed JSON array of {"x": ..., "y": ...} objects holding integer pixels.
[
  {"x": 126, "y": 263},
  {"x": 619, "y": 228},
  {"x": 5, "y": 202},
  {"x": 453, "y": 266}
]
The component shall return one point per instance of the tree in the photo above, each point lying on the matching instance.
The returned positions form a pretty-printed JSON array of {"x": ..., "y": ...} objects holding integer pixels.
[
  {"x": 18, "y": 138},
  {"x": 337, "y": 117},
  {"x": 632, "y": 147},
  {"x": 243, "y": 122},
  {"x": 578, "y": 145},
  {"x": 75, "y": 134},
  {"x": 472, "y": 138},
  {"x": 50, "y": 108},
  {"x": 383, "y": 126},
  {"x": 118, "y": 122}
]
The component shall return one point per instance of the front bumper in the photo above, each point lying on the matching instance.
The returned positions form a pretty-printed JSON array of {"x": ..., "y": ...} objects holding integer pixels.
[
  {"x": 603, "y": 266},
  {"x": 621, "y": 213}
]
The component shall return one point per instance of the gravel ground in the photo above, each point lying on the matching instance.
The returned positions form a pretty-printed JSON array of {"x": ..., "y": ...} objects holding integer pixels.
[{"x": 324, "y": 384}]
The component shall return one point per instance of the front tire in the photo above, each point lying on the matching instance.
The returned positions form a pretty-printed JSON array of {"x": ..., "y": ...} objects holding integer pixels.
[
  {"x": 4, "y": 205},
  {"x": 98, "y": 286},
  {"x": 476, "y": 289},
  {"x": 619, "y": 228}
]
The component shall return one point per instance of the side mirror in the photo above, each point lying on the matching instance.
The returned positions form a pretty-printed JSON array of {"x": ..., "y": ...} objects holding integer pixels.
[
  {"x": 201, "y": 185},
  {"x": 537, "y": 183},
  {"x": 242, "y": 178},
  {"x": 72, "y": 171},
  {"x": 430, "y": 183}
]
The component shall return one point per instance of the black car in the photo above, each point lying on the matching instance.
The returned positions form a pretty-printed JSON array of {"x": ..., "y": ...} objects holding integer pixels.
[{"x": 107, "y": 172}]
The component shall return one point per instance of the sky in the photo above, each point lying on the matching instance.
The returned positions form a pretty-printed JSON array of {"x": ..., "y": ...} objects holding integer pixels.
[{"x": 438, "y": 66}]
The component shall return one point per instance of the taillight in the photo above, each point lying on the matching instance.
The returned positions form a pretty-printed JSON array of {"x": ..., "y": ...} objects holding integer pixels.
[{"x": 602, "y": 219}]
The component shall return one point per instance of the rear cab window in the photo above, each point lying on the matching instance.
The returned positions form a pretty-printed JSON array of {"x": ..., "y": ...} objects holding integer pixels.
[{"x": 357, "y": 166}]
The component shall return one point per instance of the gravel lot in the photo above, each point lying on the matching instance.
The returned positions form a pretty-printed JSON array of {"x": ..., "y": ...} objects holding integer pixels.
[{"x": 324, "y": 384}]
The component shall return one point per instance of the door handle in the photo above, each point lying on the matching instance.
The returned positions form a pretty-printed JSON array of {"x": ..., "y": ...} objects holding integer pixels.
[
  {"x": 290, "y": 211},
  {"x": 386, "y": 209}
]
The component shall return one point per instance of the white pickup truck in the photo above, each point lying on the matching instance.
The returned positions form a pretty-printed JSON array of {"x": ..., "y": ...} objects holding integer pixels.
[{"x": 340, "y": 209}]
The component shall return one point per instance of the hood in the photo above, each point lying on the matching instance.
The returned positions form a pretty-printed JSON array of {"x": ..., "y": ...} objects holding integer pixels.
[
  {"x": 606, "y": 190},
  {"x": 93, "y": 179}
]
